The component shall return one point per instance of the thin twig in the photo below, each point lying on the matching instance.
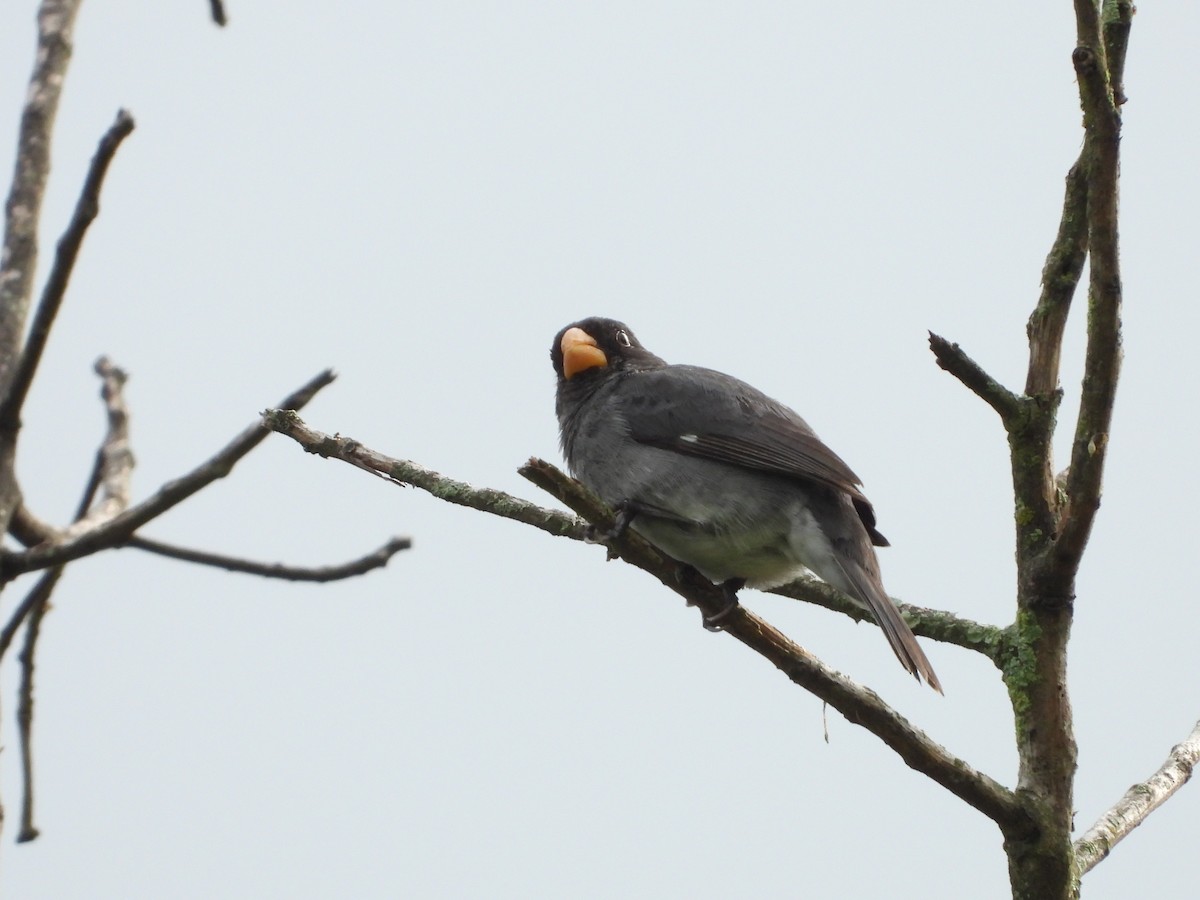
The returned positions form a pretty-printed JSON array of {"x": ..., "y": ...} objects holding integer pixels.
[
  {"x": 118, "y": 529},
  {"x": 217, "y": 9},
  {"x": 45, "y": 586},
  {"x": 952, "y": 358},
  {"x": 27, "y": 519},
  {"x": 37, "y": 593},
  {"x": 87, "y": 207},
  {"x": 18, "y": 259},
  {"x": 1139, "y": 801},
  {"x": 374, "y": 560}
]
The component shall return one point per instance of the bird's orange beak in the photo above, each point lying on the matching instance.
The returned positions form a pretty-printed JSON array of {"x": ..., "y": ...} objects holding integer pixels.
[{"x": 579, "y": 352}]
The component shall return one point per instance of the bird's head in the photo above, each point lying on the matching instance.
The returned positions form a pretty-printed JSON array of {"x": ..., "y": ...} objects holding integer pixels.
[{"x": 595, "y": 347}]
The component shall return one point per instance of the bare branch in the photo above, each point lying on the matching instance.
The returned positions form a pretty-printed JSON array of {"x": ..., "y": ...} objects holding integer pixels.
[
  {"x": 375, "y": 560},
  {"x": 952, "y": 358},
  {"x": 18, "y": 260},
  {"x": 217, "y": 10},
  {"x": 1139, "y": 801},
  {"x": 86, "y": 210},
  {"x": 118, "y": 529}
]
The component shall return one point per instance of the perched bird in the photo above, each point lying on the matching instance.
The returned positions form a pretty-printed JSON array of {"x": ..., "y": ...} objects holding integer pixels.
[{"x": 717, "y": 474}]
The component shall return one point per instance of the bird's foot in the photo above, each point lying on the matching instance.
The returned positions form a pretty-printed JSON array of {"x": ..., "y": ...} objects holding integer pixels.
[
  {"x": 730, "y": 589},
  {"x": 625, "y": 513}
]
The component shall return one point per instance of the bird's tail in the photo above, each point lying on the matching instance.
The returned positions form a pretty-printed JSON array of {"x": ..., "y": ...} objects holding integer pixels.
[{"x": 868, "y": 590}]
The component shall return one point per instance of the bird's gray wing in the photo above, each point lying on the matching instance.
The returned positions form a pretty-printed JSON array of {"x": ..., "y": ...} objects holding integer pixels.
[{"x": 704, "y": 413}]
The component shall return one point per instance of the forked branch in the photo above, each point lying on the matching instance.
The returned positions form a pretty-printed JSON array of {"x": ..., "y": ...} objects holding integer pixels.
[
  {"x": 118, "y": 529},
  {"x": 86, "y": 209}
]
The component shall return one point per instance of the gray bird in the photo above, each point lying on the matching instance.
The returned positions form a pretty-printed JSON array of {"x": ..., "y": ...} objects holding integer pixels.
[{"x": 718, "y": 475}]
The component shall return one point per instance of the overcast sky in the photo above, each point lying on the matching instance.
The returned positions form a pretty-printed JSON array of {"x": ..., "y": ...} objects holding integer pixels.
[{"x": 421, "y": 195}]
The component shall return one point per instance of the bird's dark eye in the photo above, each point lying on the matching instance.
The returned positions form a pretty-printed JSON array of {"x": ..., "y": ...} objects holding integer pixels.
[{"x": 623, "y": 338}]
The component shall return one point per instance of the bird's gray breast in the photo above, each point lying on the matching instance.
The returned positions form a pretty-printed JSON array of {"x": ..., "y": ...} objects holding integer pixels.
[{"x": 727, "y": 521}]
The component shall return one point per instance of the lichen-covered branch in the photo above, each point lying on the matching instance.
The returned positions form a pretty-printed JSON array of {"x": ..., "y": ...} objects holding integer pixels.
[
  {"x": 1054, "y": 519},
  {"x": 1139, "y": 801},
  {"x": 936, "y": 624},
  {"x": 406, "y": 472}
]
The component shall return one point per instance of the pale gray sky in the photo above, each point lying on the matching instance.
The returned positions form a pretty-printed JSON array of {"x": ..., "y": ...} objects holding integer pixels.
[{"x": 420, "y": 196}]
